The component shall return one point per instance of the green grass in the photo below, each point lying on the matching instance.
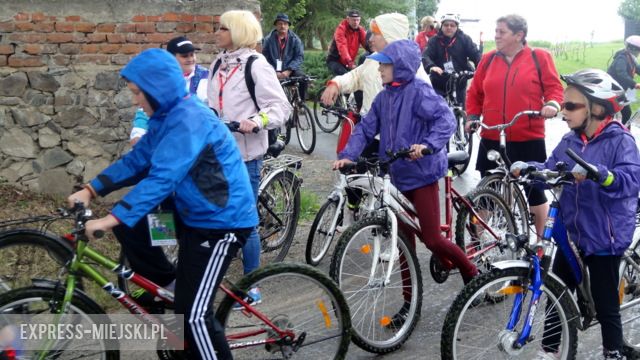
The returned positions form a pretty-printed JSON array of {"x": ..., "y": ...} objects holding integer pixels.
[{"x": 309, "y": 205}]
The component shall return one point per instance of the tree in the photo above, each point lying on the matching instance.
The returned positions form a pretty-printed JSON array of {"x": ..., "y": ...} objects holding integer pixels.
[
  {"x": 630, "y": 9},
  {"x": 426, "y": 7}
]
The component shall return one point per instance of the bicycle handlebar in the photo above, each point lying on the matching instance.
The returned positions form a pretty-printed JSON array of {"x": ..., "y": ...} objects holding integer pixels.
[
  {"x": 502, "y": 127},
  {"x": 296, "y": 79},
  {"x": 592, "y": 172},
  {"x": 234, "y": 126},
  {"x": 335, "y": 110}
]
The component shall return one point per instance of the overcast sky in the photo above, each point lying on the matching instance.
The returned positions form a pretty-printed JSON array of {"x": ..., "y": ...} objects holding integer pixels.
[{"x": 551, "y": 20}]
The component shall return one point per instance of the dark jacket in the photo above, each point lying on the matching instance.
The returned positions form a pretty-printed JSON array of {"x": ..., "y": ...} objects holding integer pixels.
[
  {"x": 409, "y": 112},
  {"x": 623, "y": 68},
  {"x": 601, "y": 220},
  {"x": 458, "y": 49},
  {"x": 187, "y": 152},
  {"x": 292, "y": 56}
]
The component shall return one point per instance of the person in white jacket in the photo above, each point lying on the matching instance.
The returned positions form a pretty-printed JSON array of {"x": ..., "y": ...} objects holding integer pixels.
[
  {"x": 386, "y": 28},
  {"x": 237, "y": 35}
]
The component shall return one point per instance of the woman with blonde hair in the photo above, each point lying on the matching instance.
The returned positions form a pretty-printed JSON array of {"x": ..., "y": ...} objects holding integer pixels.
[
  {"x": 268, "y": 108},
  {"x": 429, "y": 28}
]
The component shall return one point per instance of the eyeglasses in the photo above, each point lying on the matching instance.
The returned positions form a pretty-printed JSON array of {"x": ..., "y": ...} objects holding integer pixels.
[
  {"x": 571, "y": 106},
  {"x": 218, "y": 27},
  {"x": 449, "y": 24}
]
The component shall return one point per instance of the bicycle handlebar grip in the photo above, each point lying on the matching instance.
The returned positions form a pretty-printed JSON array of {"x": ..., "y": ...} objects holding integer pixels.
[
  {"x": 427, "y": 151},
  {"x": 98, "y": 234},
  {"x": 347, "y": 168},
  {"x": 234, "y": 126},
  {"x": 592, "y": 173}
]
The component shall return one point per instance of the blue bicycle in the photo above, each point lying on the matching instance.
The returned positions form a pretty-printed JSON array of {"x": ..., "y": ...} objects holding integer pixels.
[{"x": 521, "y": 307}]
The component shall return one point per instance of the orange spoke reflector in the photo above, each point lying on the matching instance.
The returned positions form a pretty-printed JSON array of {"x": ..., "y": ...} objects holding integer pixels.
[
  {"x": 474, "y": 220},
  {"x": 325, "y": 313},
  {"x": 365, "y": 249},
  {"x": 385, "y": 321},
  {"x": 510, "y": 290},
  {"x": 623, "y": 285}
]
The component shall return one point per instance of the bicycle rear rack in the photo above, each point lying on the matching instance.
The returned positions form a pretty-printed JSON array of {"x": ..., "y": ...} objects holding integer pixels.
[{"x": 284, "y": 160}]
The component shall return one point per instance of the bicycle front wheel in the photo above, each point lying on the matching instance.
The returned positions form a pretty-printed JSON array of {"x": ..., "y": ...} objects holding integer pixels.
[
  {"x": 383, "y": 315},
  {"x": 305, "y": 128},
  {"x": 33, "y": 301},
  {"x": 514, "y": 198},
  {"x": 322, "y": 232},
  {"x": 278, "y": 208},
  {"x": 327, "y": 122},
  {"x": 475, "y": 326},
  {"x": 629, "y": 293},
  {"x": 296, "y": 298},
  {"x": 477, "y": 242}
]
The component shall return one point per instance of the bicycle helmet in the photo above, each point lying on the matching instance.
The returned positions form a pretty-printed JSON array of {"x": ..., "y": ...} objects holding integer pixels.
[
  {"x": 450, "y": 17},
  {"x": 633, "y": 41},
  {"x": 599, "y": 87}
]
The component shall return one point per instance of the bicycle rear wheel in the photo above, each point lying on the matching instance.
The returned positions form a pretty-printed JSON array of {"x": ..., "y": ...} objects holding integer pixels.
[
  {"x": 322, "y": 232},
  {"x": 278, "y": 208},
  {"x": 475, "y": 328},
  {"x": 475, "y": 240},
  {"x": 305, "y": 129},
  {"x": 327, "y": 122},
  {"x": 629, "y": 291},
  {"x": 295, "y": 297},
  {"x": 383, "y": 316},
  {"x": 516, "y": 200},
  {"x": 461, "y": 140}
]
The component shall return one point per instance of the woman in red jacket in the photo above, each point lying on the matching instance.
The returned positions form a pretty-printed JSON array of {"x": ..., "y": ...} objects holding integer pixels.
[{"x": 510, "y": 79}]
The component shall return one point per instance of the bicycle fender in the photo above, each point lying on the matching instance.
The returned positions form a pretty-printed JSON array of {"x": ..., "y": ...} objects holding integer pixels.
[
  {"x": 497, "y": 170},
  {"x": 41, "y": 238},
  {"x": 52, "y": 284},
  {"x": 264, "y": 181}
]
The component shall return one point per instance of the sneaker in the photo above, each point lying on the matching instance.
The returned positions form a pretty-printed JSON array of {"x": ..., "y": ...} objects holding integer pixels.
[
  {"x": 612, "y": 354},
  {"x": 543, "y": 355},
  {"x": 630, "y": 352},
  {"x": 348, "y": 219},
  {"x": 400, "y": 317},
  {"x": 256, "y": 298},
  {"x": 386, "y": 255}
]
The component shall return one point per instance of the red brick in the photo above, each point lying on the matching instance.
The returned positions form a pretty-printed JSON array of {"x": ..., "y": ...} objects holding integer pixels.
[
  {"x": 7, "y": 26},
  {"x": 59, "y": 38},
  {"x": 204, "y": 27},
  {"x": 85, "y": 27},
  {"x": 79, "y": 37},
  {"x": 185, "y": 27},
  {"x": 3, "y": 60},
  {"x": 106, "y": 27},
  {"x": 28, "y": 38},
  {"x": 25, "y": 61},
  {"x": 116, "y": 38},
  {"x": 21, "y": 16},
  {"x": 146, "y": 27},
  {"x": 149, "y": 46},
  {"x": 38, "y": 17},
  {"x": 49, "y": 49},
  {"x": 61, "y": 59},
  {"x": 6, "y": 49},
  {"x": 89, "y": 48},
  {"x": 136, "y": 38},
  {"x": 24, "y": 26},
  {"x": 44, "y": 27},
  {"x": 201, "y": 38},
  {"x": 187, "y": 17},
  {"x": 204, "y": 18},
  {"x": 139, "y": 18},
  {"x": 70, "y": 49},
  {"x": 130, "y": 49},
  {"x": 98, "y": 59},
  {"x": 96, "y": 38},
  {"x": 51, "y": 18},
  {"x": 171, "y": 17},
  {"x": 64, "y": 27},
  {"x": 216, "y": 18},
  {"x": 73, "y": 18},
  {"x": 154, "y": 18},
  {"x": 32, "y": 49},
  {"x": 159, "y": 38},
  {"x": 126, "y": 28},
  {"x": 120, "y": 59},
  {"x": 110, "y": 48}
]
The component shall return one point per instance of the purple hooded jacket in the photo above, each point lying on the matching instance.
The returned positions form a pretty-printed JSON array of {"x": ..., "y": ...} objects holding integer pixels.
[
  {"x": 601, "y": 220},
  {"x": 403, "y": 115}
]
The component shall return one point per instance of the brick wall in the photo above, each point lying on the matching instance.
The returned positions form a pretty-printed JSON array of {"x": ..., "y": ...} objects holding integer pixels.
[{"x": 65, "y": 113}]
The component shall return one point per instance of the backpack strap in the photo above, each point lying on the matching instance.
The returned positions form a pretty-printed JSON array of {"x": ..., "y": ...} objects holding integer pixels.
[
  {"x": 248, "y": 78},
  {"x": 537, "y": 63}
]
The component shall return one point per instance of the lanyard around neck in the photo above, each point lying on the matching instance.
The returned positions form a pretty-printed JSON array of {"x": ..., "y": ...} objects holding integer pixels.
[{"x": 222, "y": 83}]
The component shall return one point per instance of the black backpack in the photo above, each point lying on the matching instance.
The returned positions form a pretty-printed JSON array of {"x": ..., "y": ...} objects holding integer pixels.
[{"x": 535, "y": 61}]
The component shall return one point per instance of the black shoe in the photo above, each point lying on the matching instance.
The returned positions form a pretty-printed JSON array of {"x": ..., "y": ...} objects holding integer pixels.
[
  {"x": 400, "y": 317},
  {"x": 612, "y": 354},
  {"x": 147, "y": 301},
  {"x": 630, "y": 352}
]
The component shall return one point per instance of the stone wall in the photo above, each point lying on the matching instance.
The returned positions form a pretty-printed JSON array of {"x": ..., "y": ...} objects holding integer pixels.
[{"x": 65, "y": 113}]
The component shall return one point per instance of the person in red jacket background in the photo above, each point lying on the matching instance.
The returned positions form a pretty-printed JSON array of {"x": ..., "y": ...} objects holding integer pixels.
[
  {"x": 347, "y": 39},
  {"x": 512, "y": 78},
  {"x": 430, "y": 28}
]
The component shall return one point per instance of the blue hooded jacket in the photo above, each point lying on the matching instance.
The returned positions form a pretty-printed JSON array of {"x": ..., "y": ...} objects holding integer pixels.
[
  {"x": 406, "y": 112},
  {"x": 601, "y": 220},
  {"x": 187, "y": 152}
]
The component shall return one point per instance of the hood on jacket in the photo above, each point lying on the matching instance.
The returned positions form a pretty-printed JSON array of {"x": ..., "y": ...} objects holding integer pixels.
[
  {"x": 158, "y": 74},
  {"x": 406, "y": 58},
  {"x": 393, "y": 26}
]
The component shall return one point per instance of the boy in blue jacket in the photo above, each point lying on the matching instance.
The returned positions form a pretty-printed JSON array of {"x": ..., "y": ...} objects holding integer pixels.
[
  {"x": 599, "y": 215},
  {"x": 190, "y": 156},
  {"x": 409, "y": 114}
]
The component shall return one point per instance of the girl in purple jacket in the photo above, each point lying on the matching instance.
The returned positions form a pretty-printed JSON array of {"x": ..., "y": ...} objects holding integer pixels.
[
  {"x": 409, "y": 114},
  {"x": 599, "y": 215}
]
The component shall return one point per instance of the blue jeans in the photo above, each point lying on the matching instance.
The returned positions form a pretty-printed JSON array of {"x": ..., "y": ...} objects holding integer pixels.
[{"x": 251, "y": 250}]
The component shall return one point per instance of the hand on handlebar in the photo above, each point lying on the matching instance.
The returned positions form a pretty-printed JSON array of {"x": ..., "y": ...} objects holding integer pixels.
[
  {"x": 84, "y": 196},
  {"x": 518, "y": 167},
  {"x": 247, "y": 126},
  {"x": 418, "y": 151},
  {"x": 101, "y": 226},
  {"x": 330, "y": 94},
  {"x": 338, "y": 164},
  {"x": 548, "y": 111},
  {"x": 436, "y": 70}
]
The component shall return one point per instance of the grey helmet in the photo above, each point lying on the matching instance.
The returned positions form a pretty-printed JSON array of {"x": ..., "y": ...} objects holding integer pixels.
[{"x": 599, "y": 87}]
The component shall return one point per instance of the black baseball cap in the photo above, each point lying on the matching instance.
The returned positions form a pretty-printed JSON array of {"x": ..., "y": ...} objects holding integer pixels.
[
  {"x": 353, "y": 13},
  {"x": 282, "y": 17},
  {"x": 180, "y": 45}
]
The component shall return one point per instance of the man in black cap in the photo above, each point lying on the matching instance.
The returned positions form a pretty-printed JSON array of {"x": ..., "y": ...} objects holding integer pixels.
[
  {"x": 284, "y": 50},
  {"x": 194, "y": 74},
  {"x": 347, "y": 39}
]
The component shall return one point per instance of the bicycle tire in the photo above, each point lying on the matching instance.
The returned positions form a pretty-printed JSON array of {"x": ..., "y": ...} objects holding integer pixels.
[
  {"x": 462, "y": 141},
  {"x": 28, "y": 254},
  {"x": 485, "y": 329},
  {"x": 297, "y": 297},
  {"x": 519, "y": 206},
  {"x": 305, "y": 129},
  {"x": 629, "y": 290},
  {"x": 326, "y": 122},
  {"x": 23, "y": 301},
  {"x": 380, "y": 316},
  {"x": 282, "y": 196},
  {"x": 483, "y": 201},
  {"x": 287, "y": 129},
  {"x": 321, "y": 235}
]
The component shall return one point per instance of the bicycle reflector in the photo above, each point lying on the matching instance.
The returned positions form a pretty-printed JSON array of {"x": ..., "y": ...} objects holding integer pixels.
[
  {"x": 365, "y": 249},
  {"x": 510, "y": 290},
  {"x": 325, "y": 313}
]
